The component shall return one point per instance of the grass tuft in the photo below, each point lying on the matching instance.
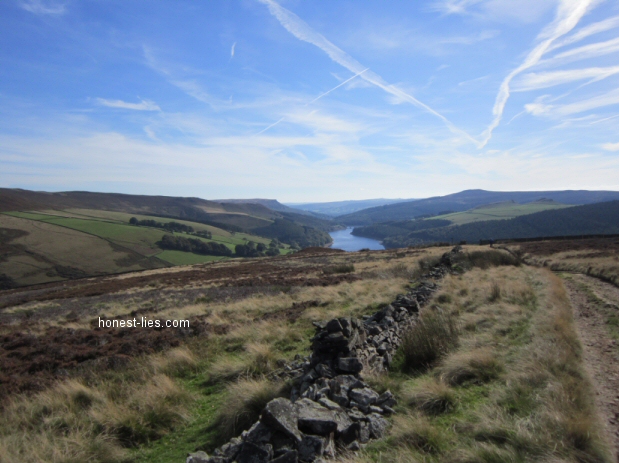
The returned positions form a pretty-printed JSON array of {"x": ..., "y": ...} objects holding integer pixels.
[
  {"x": 431, "y": 338},
  {"x": 432, "y": 397},
  {"x": 470, "y": 367},
  {"x": 246, "y": 400}
]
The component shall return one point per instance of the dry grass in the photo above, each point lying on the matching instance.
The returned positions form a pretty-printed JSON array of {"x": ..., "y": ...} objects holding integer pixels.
[
  {"x": 514, "y": 389},
  {"x": 432, "y": 397},
  {"x": 432, "y": 337},
  {"x": 470, "y": 367},
  {"x": 245, "y": 401}
]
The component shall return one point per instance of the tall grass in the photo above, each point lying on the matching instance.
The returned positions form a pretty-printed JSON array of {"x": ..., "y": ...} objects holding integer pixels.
[{"x": 431, "y": 338}]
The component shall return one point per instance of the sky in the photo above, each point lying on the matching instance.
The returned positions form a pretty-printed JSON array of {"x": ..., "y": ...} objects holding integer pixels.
[{"x": 309, "y": 101}]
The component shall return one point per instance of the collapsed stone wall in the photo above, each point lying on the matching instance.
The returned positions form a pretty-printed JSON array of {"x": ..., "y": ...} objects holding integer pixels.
[{"x": 330, "y": 406}]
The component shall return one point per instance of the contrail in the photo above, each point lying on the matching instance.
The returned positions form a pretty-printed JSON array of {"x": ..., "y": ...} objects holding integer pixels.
[
  {"x": 316, "y": 99},
  {"x": 301, "y": 30},
  {"x": 272, "y": 125},
  {"x": 568, "y": 15},
  {"x": 336, "y": 87}
]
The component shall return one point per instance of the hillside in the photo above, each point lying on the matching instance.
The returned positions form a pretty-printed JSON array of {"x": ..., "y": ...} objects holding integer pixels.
[
  {"x": 274, "y": 205},
  {"x": 476, "y": 344},
  {"x": 590, "y": 219},
  {"x": 337, "y": 208},
  {"x": 469, "y": 199},
  {"x": 234, "y": 217}
]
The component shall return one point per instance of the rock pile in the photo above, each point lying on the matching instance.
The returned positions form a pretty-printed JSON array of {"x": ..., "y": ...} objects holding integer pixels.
[{"x": 330, "y": 406}]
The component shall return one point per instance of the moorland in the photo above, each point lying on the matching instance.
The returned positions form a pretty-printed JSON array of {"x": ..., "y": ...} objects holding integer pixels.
[{"x": 528, "y": 370}]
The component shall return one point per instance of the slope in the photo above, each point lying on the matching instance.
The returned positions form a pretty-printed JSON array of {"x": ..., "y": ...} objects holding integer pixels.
[
  {"x": 590, "y": 219},
  {"x": 466, "y": 200}
]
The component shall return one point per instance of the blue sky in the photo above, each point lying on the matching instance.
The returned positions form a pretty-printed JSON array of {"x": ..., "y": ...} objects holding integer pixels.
[{"x": 304, "y": 100}]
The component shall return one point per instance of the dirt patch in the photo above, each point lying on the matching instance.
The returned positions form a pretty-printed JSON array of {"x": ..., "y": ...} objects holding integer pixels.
[
  {"x": 604, "y": 246},
  {"x": 592, "y": 299}
]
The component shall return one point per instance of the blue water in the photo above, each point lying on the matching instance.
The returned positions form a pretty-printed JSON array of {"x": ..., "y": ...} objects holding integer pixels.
[{"x": 342, "y": 239}]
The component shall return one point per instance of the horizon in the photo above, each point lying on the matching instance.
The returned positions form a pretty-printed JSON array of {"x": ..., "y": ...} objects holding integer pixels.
[{"x": 309, "y": 103}]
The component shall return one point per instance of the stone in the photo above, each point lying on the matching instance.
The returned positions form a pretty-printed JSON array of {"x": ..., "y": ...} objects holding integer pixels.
[
  {"x": 375, "y": 409},
  {"x": 258, "y": 434},
  {"x": 311, "y": 448},
  {"x": 197, "y": 457},
  {"x": 334, "y": 326},
  {"x": 378, "y": 425},
  {"x": 313, "y": 418},
  {"x": 281, "y": 415},
  {"x": 364, "y": 396},
  {"x": 353, "y": 446},
  {"x": 356, "y": 415},
  {"x": 329, "y": 404},
  {"x": 290, "y": 456},
  {"x": 324, "y": 370},
  {"x": 350, "y": 434},
  {"x": 364, "y": 433},
  {"x": 349, "y": 365},
  {"x": 231, "y": 449},
  {"x": 282, "y": 443},
  {"x": 386, "y": 398},
  {"x": 340, "y": 398},
  {"x": 252, "y": 453}
]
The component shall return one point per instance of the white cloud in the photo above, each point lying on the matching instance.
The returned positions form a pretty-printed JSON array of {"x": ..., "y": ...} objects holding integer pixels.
[
  {"x": 44, "y": 7},
  {"x": 534, "y": 81},
  {"x": 585, "y": 52},
  {"x": 301, "y": 30},
  {"x": 591, "y": 29},
  {"x": 144, "y": 105},
  {"x": 610, "y": 146},
  {"x": 568, "y": 15},
  {"x": 232, "y": 50},
  {"x": 496, "y": 10},
  {"x": 600, "y": 101}
]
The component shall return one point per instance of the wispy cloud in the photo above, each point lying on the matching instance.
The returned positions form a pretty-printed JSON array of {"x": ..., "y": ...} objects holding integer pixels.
[
  {"x": 591, "y": 29},
  {"x": 610, "y": 146},
  {"x": 535, "y": 81},
  {"x": 520, "y": 10},
  {"x": 143, "y": 105},
  {"x": 599, "y": 101},
  {"x": 568, "y": 15},
  {"x": 43, "y": 7},
  {"x": 585, "y": 52},
  {"x": 301, "y": 30},
  {"x": 232, "y": 50}
]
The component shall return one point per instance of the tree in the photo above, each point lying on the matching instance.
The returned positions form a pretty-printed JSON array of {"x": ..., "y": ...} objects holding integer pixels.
[{"x": 133, "y": 221}]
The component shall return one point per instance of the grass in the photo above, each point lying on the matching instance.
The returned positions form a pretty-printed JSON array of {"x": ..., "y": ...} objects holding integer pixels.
[
  {"x": 501, "y": 211},
  {"x": 513, "y": 389},
  {"x": 48, "y": 246},
  {"x": 435, "y": 334},
  {"x": 161, "y": 406}
]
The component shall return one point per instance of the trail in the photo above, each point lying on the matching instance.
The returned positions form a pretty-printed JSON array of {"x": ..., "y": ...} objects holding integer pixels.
[{"x": 596, "y": 303}]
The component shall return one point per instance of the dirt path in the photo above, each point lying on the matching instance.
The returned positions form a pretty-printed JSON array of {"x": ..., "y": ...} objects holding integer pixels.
[{"x": 596, "y": 312}]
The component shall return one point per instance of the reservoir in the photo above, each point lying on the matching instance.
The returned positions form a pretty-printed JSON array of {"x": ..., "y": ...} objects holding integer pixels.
[{"x": 343, "y": 239}]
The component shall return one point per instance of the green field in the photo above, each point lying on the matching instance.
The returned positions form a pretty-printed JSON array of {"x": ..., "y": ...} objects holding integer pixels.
[
  {"x": 118, "y": 246},
  {"x": 500, "y": 211}
]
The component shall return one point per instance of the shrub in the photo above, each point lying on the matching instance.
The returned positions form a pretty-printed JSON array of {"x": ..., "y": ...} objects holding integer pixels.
[
  {"x": 342, "y": 268},
  {"x": 470, "y": 367},
  {"x": 435, "y": 334},
  {"x": 246, "y": 400},
  {"x": 432, "y": 397},
  {"x": 495, "y": 292},
  {"x": 487, "y": 259}
]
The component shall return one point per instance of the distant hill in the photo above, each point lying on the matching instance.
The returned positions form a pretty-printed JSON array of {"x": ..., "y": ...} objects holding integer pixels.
[
  {"x": 338, "y": 208},
  {"x": 274, "y": 205},
  {"x": 466, "y": 200},
  {"x": 235, "y": 217},
  {"x": 590, "y": 219}
]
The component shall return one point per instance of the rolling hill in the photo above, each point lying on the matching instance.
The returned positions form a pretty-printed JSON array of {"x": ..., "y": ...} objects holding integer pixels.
[
  {"x": 466, "y": 200},
  {"x": 234, "y": 217},
  {"x": 337, "y": 208},
  {"x": 590, "y": 219}
]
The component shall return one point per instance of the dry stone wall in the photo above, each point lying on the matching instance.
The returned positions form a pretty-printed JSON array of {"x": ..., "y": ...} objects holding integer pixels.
[{"x": 330, "y": 406}]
